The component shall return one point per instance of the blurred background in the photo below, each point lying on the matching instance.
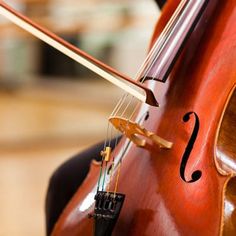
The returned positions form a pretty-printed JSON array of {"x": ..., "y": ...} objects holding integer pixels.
[{"x": 51, "y": 107}]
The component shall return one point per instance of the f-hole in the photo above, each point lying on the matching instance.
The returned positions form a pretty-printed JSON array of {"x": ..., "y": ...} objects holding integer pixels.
[{"x": 196, "y": 175}]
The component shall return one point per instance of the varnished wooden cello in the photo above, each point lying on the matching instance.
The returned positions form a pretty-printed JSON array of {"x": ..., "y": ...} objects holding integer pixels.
[
  {"x": 176, "y": 162},
  {"x": 187, "y": 189}
]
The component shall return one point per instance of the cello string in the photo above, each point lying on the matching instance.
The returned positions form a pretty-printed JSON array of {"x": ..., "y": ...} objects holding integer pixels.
[
  {"x": 108, "y": 123},
  {"x": 117, "y": 178},
  {"x": 174, "y": 27},
  {"x": 122, "y": 106},
  {"x": 119, "y": 104},
  {"x": 111, "y": 135},
  {"x": 165, "y": 35},
  {"x": 161, "y": 39},
  {"x": 107, "y": 131},
  {"x": 135, "y": 109},
  {"x": 112, "y": 170},
  {"x": 100, "y": 175},
  {"x": 127, "y": 106},
  {"x": 106, "y": 141},
  {"x": 104, "y": 176}
]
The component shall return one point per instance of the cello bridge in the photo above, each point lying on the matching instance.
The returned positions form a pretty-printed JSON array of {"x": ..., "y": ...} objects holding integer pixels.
[{"x": 138, "y": 134}]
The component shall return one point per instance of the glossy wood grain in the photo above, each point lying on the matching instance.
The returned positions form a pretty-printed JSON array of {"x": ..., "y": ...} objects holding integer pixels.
[
  {"x": 158, "y": 201},
  {"x": 226, "y": 161}
]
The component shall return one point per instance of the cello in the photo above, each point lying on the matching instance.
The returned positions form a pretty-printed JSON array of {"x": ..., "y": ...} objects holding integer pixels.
[
  {"x": 188, "y": 186},
  {"x": 173, "y": 171}
]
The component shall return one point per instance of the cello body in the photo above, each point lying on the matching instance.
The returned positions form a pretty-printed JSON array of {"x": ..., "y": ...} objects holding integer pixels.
[{"x": 163, "y": 197}]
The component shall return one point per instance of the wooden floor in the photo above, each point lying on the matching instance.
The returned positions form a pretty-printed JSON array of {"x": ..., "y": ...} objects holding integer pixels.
[{"x": 41, "y": 125}]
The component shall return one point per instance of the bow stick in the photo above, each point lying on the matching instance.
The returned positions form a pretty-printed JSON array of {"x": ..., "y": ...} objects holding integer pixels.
[{"x": 134, "y": 88}]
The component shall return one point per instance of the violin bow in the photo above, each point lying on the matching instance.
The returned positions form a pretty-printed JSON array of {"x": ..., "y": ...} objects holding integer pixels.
[{"x": 131, "y": 86}]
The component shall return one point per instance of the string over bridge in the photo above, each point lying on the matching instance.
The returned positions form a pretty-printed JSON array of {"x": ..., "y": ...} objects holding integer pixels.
[{"x": 135, "y": 131}]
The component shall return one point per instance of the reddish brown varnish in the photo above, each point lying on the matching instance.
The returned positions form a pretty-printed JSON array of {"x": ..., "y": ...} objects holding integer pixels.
[{"x": 158, "y": 201}]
